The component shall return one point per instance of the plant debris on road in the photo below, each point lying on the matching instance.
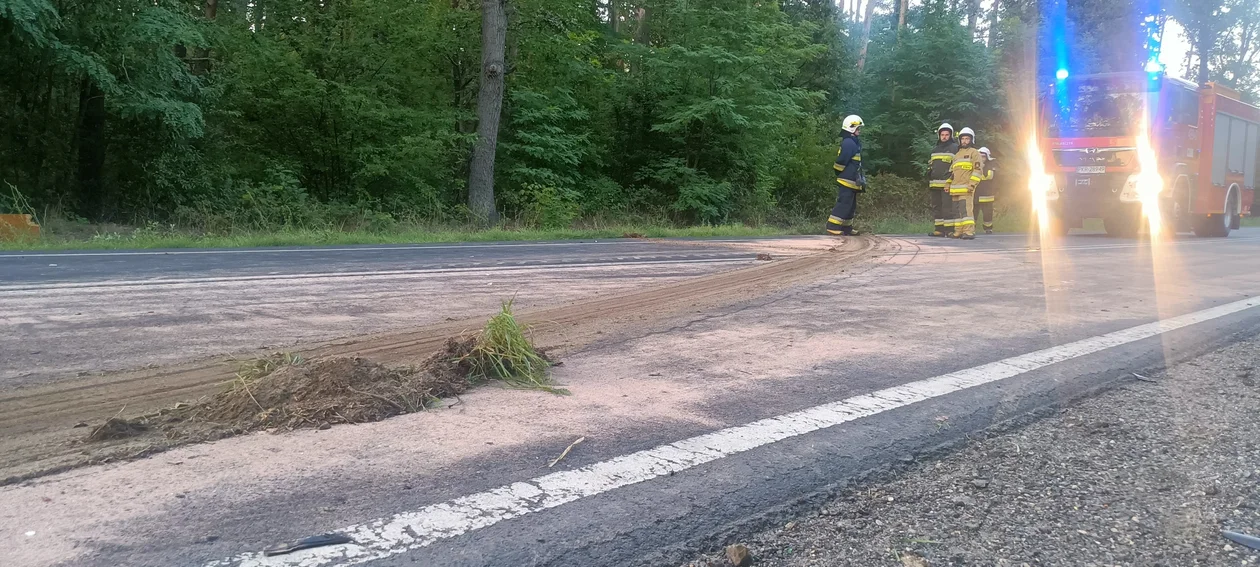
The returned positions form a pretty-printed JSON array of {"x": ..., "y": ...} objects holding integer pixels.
[{"x": 283, "y": 392}]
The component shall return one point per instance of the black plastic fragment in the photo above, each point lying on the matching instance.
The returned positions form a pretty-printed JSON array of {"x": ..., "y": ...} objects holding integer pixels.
[
  {"x": 309, "y": 542},
  {"x": 1242, "y": 539}
]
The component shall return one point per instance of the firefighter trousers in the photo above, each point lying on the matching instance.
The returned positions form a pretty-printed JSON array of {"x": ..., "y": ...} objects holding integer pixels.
[
  {"x": 942, "y": 210},
  {"x": 841, "y": 219},
  {"x": 964, "y": 222},
  {"x": 984, "y": 211}
]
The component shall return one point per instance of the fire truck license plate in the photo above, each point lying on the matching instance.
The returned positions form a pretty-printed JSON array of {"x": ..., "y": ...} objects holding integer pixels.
[{"x": 1092, "y": 169}]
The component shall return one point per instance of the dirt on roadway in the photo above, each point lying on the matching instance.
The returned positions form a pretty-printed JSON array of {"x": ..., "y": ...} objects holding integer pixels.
[
  {"x": 43, "y": 427},
  {"x": 1147, "y": 474}
]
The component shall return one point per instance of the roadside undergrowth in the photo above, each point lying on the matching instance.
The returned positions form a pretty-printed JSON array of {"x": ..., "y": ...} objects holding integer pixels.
[{"x": 284, "y": 392}]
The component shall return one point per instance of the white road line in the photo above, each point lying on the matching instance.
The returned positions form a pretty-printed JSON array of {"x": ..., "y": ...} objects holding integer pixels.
[
  {"x": 381, "y": 273},
  {"x": 411, "y": 530}
]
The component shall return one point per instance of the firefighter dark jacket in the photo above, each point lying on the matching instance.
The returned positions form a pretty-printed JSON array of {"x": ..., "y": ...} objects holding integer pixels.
[
  {"x": 849, "y": 163},
  {"x": 938, "y": 167},
  {"x": 986, "y": 188}
]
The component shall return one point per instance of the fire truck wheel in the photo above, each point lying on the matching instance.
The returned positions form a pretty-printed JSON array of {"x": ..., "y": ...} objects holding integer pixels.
[
  {"x": 1217, "y": 226},
  {"x": 1212, "y": 226},
  {"x": 1176, "y": 209}
]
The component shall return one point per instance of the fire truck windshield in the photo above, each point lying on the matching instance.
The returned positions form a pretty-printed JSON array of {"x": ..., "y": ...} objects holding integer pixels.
[{"x": 1095, "y": 109}]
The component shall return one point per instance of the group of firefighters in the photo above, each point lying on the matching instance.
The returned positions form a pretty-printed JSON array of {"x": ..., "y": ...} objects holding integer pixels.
[{"x": 960, "y": 182}]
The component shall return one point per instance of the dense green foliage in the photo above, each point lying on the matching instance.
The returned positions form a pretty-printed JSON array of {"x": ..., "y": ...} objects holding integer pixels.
[{"x": 354, "y": 114}]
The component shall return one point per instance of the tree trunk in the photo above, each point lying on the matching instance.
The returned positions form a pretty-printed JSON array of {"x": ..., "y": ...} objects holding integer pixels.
[
  {"x": 641, "y": 25},
  {"x": 91, "y": 146},
  {"x": 489, "y": 106},
  {"x": 993, "y": 23},
  {"x": 866, "y": 34},
  {"x": 1205, "y": 42},
  {"x": 614, "y": 16},
  {"x": 201, "y": 55},
  {"x": 901, "y": 17},
  {"x": 973, "y": 16}
]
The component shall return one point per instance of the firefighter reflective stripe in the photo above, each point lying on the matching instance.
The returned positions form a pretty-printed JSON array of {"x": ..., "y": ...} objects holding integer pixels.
[
  {"x": 837, "y": 167},
  {"x": 985, "y": 199},
  {"x": 938, "y": 184},
  {"x": 966, "y": 221},
  {"x": 849, "y": 184},
  {"x": 964, "y": 164},
  {"x": 989, "y": 177},
  {"x": 949, "y": 222},
  {"x": 976, "y": 178},
  {"x": 947, "y": 158},
  {"x": 857, "y": 157},
  {"x": 959, "y": 189},
  {"x": 837, "y": 220}
]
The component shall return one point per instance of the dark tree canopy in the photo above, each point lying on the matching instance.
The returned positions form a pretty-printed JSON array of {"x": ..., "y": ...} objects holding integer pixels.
[{"x": 279, "y": 113}]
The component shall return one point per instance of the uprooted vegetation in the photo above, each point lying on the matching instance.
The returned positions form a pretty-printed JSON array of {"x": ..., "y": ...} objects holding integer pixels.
[{"x": 284, "y": 392}]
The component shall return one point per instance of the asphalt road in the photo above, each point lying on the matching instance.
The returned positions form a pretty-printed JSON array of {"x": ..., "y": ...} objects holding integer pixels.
[
  {"x": 43, "y": 268},
  {"x": 73, "y": 313},
  {"x": 934, "y": 332}
]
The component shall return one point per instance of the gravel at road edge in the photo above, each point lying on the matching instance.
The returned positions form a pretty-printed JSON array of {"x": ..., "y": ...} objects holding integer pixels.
[{"x": 1146, "y": 474}]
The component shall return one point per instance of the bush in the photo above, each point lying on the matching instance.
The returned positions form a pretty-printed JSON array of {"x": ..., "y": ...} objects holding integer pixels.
[
  {"x": 13, "y": 202},
  {"x": 550, "y": 208},
  {"x": 889, "y": 195}
]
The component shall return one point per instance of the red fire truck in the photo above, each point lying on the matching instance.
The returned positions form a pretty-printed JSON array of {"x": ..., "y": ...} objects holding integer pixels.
[{"x": 1207, "y": 144}]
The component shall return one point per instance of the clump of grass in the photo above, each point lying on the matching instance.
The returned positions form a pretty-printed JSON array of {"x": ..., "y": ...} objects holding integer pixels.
[
  {"x": 503, "y": 352},
  {"x": 248, "y": 371}
]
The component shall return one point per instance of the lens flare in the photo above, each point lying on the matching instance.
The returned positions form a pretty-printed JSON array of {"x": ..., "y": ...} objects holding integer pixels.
[
  {"x": 1149, "y": 182},
  {"x": 1040, "y": 184}
]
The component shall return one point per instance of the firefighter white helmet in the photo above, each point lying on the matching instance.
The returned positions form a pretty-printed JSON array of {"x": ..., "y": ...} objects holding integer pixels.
[
  {"x": 852, "y": 122},
  {"x": 985, "y": 151},
  {"x": 945, "y": 126},
  {"x": 968, "y": 132}
]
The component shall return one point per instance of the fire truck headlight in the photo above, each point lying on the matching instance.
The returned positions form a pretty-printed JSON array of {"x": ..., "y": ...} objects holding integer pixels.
[{"x": 1129, "y": 193}]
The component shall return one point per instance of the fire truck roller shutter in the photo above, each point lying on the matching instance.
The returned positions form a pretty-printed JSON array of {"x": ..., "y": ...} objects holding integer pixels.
[{"x": 1252, "y": 156}]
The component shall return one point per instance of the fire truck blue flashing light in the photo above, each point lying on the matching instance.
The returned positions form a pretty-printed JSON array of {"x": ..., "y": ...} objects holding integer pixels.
[
  {"x": 1062, "y": 75},
  {"x": 1154, "y": 66}
]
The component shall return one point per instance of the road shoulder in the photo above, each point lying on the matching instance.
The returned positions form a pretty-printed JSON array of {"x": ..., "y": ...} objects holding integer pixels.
[{"x": 1147, "y": 473}]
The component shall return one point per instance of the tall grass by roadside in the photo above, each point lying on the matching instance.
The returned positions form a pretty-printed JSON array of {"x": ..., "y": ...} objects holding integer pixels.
[
  {"x": 894, "y": 206},
  {"x": 120, "y": 237}
]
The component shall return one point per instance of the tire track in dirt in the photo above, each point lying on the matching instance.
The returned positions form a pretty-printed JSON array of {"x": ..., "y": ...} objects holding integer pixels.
[{"x": 39, "y": 424}]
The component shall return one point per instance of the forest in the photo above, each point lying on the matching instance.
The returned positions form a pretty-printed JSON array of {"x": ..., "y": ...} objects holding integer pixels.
[{"x": 222, "y": 115}]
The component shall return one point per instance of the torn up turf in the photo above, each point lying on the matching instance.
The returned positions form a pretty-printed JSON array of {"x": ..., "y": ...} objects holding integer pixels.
[{"x": 321, "y": 393}]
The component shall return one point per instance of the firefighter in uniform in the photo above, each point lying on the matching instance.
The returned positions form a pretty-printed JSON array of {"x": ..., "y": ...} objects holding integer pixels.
[
  {"x": 849, "y": 177},
  {"x": 986, "y": 192},
  {"x": 938, "y": 180},
  {"x": 966, "y": 169}
]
